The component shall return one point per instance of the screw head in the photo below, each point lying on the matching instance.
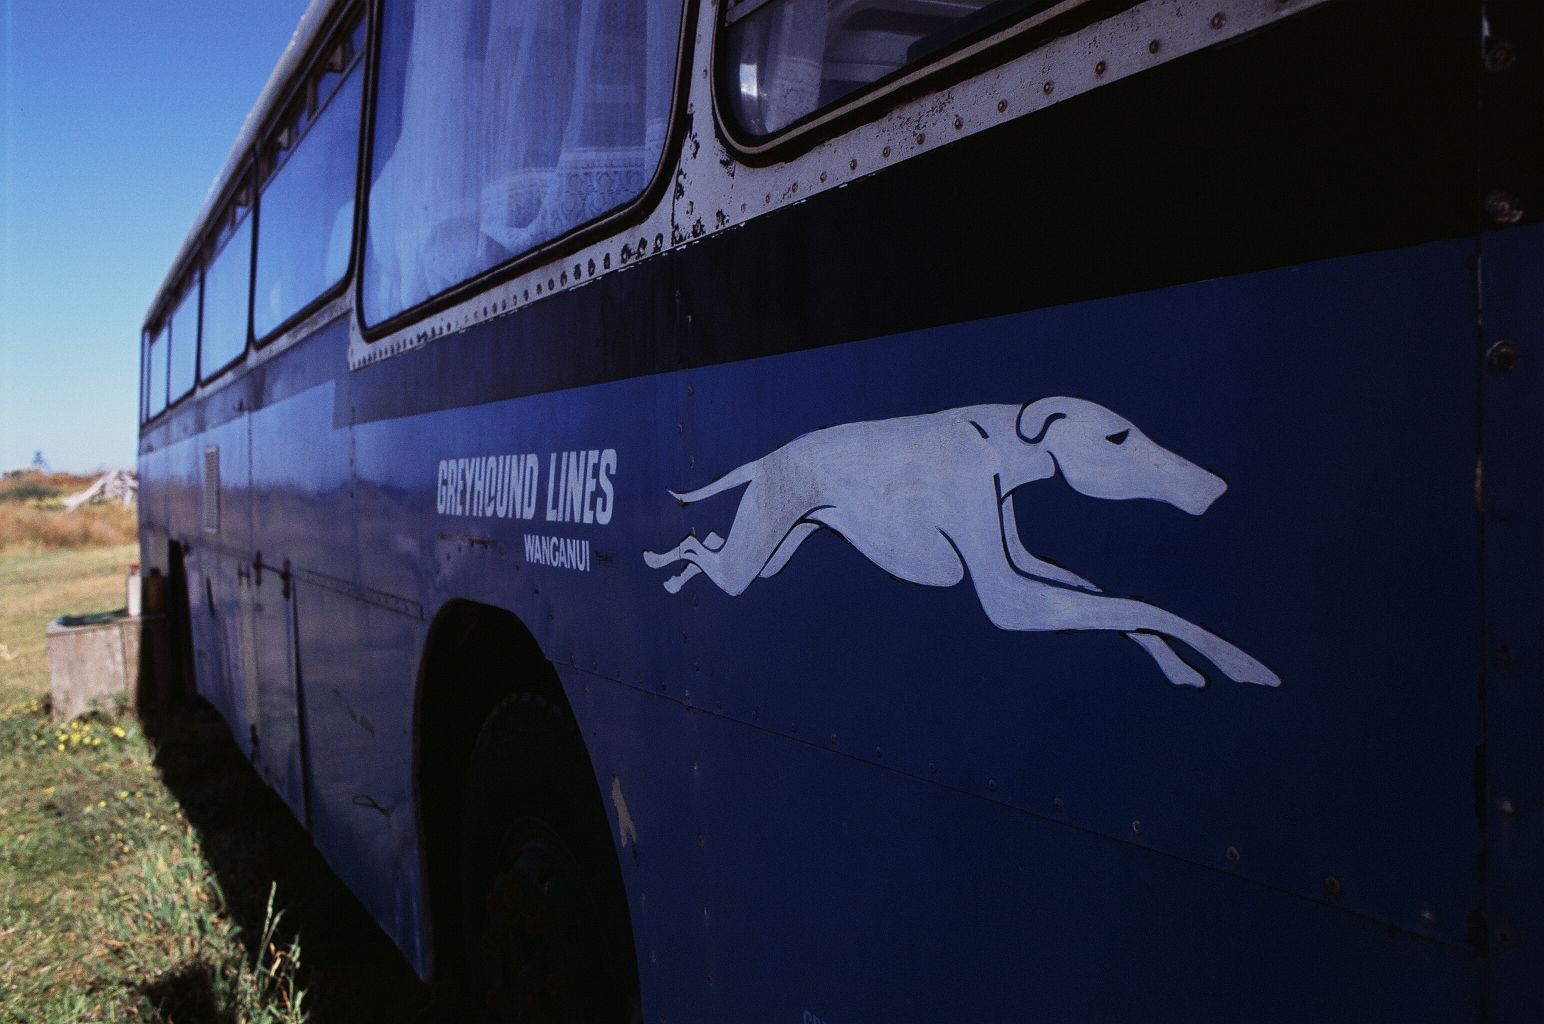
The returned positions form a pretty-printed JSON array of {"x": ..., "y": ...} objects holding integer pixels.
[
  {"x": 1332, "y": 885},
  {"x": 1232, "y": 855},
  {"x": 1136, "y": 827},
  {"x": 1501, "y": 357},
  {"x": 1503, "y": 207},
  {"x": 1499, "y": 57},
  {"x": 1506, "y": 806}
]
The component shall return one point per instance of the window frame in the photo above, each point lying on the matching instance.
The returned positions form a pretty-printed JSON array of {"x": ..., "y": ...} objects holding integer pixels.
[
  {"x": 301, "y": 92},
  {"x": 145, "y": 334},
  {"x": 969, "y": 55},
  {"x": 192, "y": 281},
  {"x": 161, "y": 324},
  {"x": 211, "y": 250},
  {"x": 604, "y": 226}
]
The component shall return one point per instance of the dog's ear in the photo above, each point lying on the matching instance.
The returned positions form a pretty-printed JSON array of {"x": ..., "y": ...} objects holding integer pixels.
[{"x": 1035, "y": 418}]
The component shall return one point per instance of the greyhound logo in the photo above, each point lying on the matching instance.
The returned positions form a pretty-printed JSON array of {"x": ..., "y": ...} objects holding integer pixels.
[{"x": 929, "y": 499}]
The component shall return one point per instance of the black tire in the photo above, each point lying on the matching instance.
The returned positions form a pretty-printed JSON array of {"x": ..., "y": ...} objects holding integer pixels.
[{"x": 543, "y": 911}]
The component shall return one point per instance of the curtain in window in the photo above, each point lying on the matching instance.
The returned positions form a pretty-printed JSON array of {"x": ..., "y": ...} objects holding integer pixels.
[{"x": 515, "y": 122}]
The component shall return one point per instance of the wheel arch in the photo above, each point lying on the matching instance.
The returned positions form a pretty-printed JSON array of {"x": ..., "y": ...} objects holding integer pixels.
[{"x": 476, "y": 655}]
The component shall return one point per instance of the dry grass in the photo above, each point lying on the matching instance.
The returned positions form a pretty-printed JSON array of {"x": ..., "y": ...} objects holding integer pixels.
[{"x": 32, "y": 516}]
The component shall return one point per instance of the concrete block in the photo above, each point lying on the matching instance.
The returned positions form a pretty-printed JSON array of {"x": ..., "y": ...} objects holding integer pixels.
[{"x": 93, "y": 659}]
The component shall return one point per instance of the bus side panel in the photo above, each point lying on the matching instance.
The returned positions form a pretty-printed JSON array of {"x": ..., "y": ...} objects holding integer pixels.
[
  {"x": 224, "y": 557},
  {"x": 779, "y": 881},
  {"x": 358, "y": 662},
  {"x": 1348, "y": 473},
  {"x": 1514, "y": 566},
  {"x": 1341, "y": 553}
]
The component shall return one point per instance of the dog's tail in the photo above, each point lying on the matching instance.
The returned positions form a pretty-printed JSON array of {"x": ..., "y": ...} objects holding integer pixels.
[{"x": 732, "y": 479}]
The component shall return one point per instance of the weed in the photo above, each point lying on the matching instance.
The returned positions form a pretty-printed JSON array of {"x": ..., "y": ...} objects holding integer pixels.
[{"x": 138, "y": 859}]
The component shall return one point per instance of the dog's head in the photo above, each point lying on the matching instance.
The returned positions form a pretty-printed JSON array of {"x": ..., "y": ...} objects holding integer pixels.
[{"x": 1103, "y": 455}]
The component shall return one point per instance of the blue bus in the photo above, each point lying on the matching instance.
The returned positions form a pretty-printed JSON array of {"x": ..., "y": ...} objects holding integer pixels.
[{"x": 885, "y": 510}]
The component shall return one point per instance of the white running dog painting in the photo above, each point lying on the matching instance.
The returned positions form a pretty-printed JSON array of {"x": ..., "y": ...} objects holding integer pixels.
[{"x": 929, "y": 499}]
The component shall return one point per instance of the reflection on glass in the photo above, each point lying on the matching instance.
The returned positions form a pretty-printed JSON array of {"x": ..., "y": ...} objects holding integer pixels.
[
  {"x": 306, "y": 215},
  {"x": 155, "y": 361},
  {"x": 225, "y": 301},
  {"x": 184, "y": 345},
  {"x": 501, "y": 126},
  {"x": 790, "y": 58}
]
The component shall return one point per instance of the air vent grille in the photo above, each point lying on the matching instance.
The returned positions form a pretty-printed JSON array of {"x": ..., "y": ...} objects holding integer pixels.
[{"x": 212, "y": 490}]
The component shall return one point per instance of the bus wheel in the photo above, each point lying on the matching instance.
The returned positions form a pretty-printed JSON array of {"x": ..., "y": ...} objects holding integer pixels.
[{"x": 544, "y": 914}]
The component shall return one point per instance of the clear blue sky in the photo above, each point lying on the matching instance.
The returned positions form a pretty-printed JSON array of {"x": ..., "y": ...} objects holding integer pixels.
[{"x": 114, "y": 119}]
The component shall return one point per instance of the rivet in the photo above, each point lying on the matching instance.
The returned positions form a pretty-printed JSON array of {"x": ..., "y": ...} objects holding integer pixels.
[
  {"x": 1332, "y": 885},
  {"x": 1503, "y": 207},
  {"x": 794, "y": 187},
  {"x": 1501, "y": 357},
  {"x": 1099, "y": 68},
  {"x": 959, "y": 122},
  {"x": 1002, "y": 106},
  {"x": 822, "y": 177},
  {"x": 1059, "y": 804},
  {"x": 1153, "y": 46},
  {"x": 1136, "y": 827},
  {"x": 1219, "y": 19},
  {"x": 1428, "y": 917},
  {"x": 991, "y": 784},
  {"x": 1507, "y": 806},
  {"x": 921, "y": 138},
  {"x": 1499, "y": 57},
  {"x": 1231, "y": 854},
  {"x": 767, "y": 199},
  {"x": 1048, "y": 87},
  {"x": 885, "y": 152},
  {"x": 852, "y": 165}
]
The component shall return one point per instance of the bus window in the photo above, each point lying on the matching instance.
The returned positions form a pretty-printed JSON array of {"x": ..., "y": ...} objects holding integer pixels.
[
  {"x": 225, "y": 298},
  {"x": 183, "y": 357},
  {"x": 500, "y": 127},
  {"x": 307, "y": 220},
  {"x": 155, "y": 374},
  {"x": 144, "y": 376},
  {"x": 785, "y": 59}
]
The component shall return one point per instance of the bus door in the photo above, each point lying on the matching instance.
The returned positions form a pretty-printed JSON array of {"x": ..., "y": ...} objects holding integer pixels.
[{"x": 268, "y": 599}]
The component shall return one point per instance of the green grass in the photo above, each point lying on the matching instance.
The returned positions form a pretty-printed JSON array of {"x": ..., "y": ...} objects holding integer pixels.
[
  {"x": 107, "y": 906},
  {"x": 146, "y": 873}
]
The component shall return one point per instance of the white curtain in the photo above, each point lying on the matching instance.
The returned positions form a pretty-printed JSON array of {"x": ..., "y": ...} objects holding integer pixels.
[{"x": 518, "y": 121}]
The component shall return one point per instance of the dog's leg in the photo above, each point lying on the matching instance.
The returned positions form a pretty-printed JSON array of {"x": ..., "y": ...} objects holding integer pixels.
[
  {"x": 676, "y": 582},
  {"x": 786, "y": 549},
  {"x": 1013, "y": 602},
  {"x": 1174, "y": 668},
  {"x": 733, "y": 562}
]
